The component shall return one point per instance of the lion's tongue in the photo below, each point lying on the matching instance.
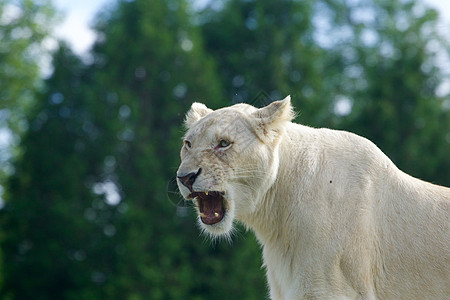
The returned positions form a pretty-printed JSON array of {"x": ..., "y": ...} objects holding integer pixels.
[{"x": 211, "y": 209}]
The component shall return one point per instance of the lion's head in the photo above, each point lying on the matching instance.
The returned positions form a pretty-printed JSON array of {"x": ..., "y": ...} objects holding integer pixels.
[{"x": 230, "y": 159}]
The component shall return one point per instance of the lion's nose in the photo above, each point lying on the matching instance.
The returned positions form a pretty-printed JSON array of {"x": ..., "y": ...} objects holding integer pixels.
[{"x": 188, "y": 179}]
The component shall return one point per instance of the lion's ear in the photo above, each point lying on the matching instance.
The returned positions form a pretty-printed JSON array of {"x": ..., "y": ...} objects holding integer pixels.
[
  {"x": 271, "y": 119},
  {"x": 197, "y": 111}
]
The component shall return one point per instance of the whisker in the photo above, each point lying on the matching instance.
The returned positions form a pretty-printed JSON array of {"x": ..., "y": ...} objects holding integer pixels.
[
  {"x": 246, "y": 186},
  {"x": 251, "y": 171}
]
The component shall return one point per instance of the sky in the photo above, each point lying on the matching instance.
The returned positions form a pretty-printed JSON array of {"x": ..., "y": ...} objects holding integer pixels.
[
  {"x": 77, "y": 18},
  {"x": 79, "y": 14}
]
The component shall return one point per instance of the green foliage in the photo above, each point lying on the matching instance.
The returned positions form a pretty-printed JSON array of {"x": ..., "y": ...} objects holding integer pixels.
[
  {"x": 24, "y": 26},
  {"x": 90, "y": 210},
  {"x": 393, "y": 86},
  {"x": 50, "y": 242}
]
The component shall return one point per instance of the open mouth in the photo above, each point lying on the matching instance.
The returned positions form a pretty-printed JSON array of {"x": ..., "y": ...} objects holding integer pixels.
[{"x": 211, "y": 206}]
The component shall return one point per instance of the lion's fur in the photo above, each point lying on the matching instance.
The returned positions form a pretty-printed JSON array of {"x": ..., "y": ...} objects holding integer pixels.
[{"x": 336, "y": 218}]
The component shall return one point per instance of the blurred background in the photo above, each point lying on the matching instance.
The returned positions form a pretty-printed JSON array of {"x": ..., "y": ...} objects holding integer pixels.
[{"x": 90, "y": 129}]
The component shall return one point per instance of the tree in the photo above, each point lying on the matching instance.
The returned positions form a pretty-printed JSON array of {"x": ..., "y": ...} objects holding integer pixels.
[
  {"x": 24, "y": 26},
  {"x": 391, "y": 78},
  {"x": 53, "y": 223}
]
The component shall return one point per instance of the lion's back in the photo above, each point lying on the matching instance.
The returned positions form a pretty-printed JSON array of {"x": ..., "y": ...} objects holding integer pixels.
[{"x": 401, "y": 222}]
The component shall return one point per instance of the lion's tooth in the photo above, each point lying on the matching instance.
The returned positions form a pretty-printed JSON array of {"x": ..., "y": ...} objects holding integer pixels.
[
  {"x": 202, "y": 215},
  {"x": 206, "y": 193},
  {"x": 216, "y": 214}
]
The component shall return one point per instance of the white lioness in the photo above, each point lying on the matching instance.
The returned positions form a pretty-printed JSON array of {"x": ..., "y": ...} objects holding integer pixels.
[{"x": 336, "y": 218}]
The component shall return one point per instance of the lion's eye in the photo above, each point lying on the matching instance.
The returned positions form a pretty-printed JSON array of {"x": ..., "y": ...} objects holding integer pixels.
[
  {"x": 223, "y": 144},
  {"x": 187, "y": 144}
]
